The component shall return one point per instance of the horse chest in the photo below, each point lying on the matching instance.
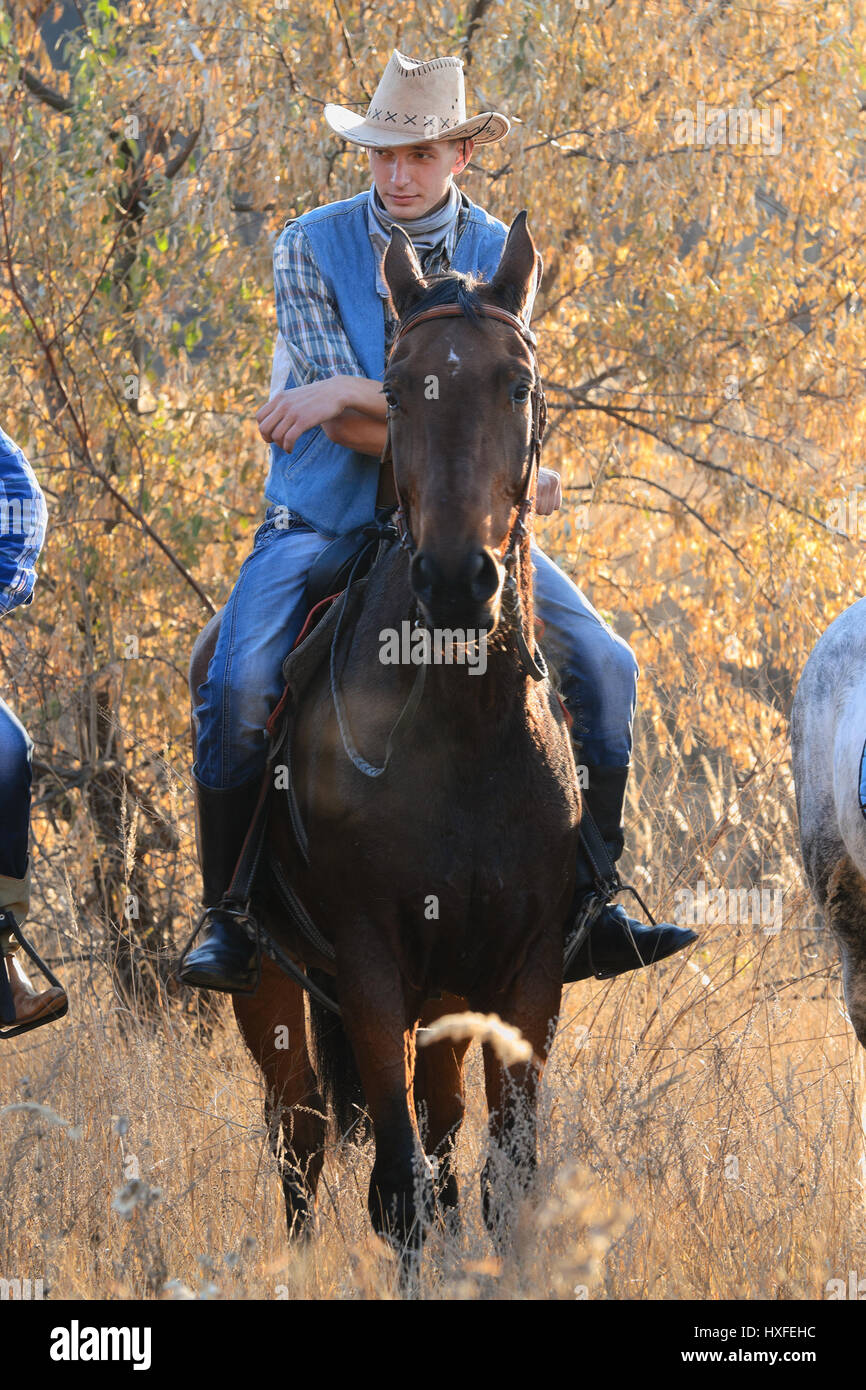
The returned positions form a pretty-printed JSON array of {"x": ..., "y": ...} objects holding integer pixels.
[{"x": 470, "y": 838}]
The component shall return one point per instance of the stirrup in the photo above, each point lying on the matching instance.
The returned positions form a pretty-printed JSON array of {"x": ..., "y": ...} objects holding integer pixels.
[
  {"x": 14, "y": 1030},
  {"x": 590, "y": 909},
  {"x": 247, "y": 923}
]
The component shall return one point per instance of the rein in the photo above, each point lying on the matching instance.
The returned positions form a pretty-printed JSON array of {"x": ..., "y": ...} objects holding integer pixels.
[{"x": 533, "y": 663}]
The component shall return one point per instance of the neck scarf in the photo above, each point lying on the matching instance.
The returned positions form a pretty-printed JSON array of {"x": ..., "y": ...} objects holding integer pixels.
[{"x": 424, "y": 232}]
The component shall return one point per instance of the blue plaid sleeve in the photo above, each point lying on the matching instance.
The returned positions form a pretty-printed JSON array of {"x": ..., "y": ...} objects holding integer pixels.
[
  {"x": 311, "y": 343},
  {"x": 23, "y": 517}
]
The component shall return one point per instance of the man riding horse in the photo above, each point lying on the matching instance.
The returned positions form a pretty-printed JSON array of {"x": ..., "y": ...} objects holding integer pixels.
[{"x": 326, "y": 424}]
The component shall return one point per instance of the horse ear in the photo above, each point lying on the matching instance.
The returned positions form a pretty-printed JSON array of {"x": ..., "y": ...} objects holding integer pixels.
[
  {"x": 403, "y": 272},
  {"x": 518, "y": 274}
]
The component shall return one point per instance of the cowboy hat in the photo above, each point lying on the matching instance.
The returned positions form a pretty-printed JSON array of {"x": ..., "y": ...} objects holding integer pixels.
[{"x": 415, "y": 103}]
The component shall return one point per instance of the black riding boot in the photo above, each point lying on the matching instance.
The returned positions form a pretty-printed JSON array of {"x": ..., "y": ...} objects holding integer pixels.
[
  {"x": 615, "y": 942},
  {"x": 225, "y": 959}
]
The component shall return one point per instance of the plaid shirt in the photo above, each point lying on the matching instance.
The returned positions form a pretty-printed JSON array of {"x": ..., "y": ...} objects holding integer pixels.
[
  {"x": 311, "y": 343},
  {"x": 23, "y": 517}
]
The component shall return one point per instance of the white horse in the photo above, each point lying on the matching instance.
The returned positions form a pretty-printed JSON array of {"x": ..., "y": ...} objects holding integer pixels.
[{"x": 828, "y": 747}]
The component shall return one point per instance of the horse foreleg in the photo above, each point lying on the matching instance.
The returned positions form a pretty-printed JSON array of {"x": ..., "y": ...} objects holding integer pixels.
[
  {"x": 845, "y": 910},
  {"x": 440, "y": 1098},
  {"x": 532, "y": 1006},
  {"x": 273, "y": 1027},
  {"x": 380, "y": 1022}
]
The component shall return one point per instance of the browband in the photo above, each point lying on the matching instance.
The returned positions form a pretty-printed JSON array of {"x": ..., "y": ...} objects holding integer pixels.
[{"x": 450, "y": 311}]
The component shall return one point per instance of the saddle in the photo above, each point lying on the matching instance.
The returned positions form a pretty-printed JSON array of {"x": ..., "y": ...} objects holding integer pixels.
[{"x": 348, "y": 558}]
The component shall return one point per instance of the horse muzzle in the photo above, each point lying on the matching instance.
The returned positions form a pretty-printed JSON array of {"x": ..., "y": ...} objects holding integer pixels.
[{"x": 463, "y": 592}]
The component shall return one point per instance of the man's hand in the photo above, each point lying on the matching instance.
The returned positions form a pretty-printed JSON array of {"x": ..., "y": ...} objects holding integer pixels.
[
  {"x": 288, "y": 414},
  {"x": 548, "y": 492}
]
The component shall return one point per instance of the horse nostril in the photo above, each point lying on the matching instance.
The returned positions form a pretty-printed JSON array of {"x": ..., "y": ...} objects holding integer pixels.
[
  {"x": 484, "y": 580},
  {"x": 422, "y": 574},
  {"x": 475, "y": 566},
  {"x": 474, "y": 576}
]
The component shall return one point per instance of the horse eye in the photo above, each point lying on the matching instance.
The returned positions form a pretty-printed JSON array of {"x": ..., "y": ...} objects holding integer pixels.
[
  {"x": 390, "y": 399},
  {"x": 520, "y": 393}
]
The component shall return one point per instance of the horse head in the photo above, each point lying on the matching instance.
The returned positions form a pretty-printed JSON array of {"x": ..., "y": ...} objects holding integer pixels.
[{"x": 465, "y": 417}]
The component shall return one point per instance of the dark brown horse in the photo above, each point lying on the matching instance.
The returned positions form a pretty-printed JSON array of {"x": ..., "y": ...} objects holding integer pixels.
[{"x": 443, "y": 882}]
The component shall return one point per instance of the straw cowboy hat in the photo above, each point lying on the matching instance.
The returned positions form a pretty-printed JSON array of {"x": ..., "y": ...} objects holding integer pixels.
[{"x": 414, "y": 103}]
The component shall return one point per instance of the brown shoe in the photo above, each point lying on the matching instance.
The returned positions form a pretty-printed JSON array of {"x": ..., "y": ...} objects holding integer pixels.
[{"x": 29, "y": 1003}]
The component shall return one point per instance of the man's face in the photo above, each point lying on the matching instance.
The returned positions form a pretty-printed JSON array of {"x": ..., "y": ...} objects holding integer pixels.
[{"x": 412, "y": 179}]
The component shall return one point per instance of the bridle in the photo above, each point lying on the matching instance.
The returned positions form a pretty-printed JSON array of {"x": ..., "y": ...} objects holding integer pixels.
[
  {"x": 539, "y": 417},
  {"x": 534, "y": 663}
]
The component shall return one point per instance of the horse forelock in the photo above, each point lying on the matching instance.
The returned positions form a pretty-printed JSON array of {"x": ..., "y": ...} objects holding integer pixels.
[{"x": 452, "y": 287}]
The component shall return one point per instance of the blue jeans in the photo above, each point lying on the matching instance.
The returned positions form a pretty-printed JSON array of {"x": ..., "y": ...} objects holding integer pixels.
[
  {"x": 16, "y": 751},
  {"x": 597, "y": 670},
  {"x": 266, "y": 610},
  {"x": 260, "y": 624}
]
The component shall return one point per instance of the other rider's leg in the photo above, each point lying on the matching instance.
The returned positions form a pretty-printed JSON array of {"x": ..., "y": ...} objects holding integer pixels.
[{"x": 16, "y": 750}]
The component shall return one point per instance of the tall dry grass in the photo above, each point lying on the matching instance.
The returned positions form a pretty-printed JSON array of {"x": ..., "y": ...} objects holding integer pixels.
[{"x": 700, "y": 1135}]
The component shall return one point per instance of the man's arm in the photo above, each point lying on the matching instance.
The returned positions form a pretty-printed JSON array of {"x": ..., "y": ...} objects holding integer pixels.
[
  {"x": 335, "y": 393},
  {"x": 350, "y": 409},
  {"x": 361, "y": 423},
  {"x": 355, "y": 430}
]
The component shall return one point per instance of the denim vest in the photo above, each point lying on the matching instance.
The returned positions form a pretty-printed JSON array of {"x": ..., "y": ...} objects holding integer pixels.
[{"x": 334, "y": 488}]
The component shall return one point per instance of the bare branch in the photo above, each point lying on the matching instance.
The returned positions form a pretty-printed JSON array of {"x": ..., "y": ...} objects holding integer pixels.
[
  {"x": 479, "y": 9},
  {"x": 46, "y": 94},
  {"x": 175, "y": 164},
  {"x": 719, "y": 468}
]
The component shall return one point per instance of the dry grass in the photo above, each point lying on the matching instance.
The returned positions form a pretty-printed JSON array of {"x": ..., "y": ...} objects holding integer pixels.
[{"x": 701, "y": 1131}]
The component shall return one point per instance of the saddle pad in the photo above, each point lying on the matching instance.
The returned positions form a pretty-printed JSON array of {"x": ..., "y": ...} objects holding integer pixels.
[{"x": 312, "y": 648}]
